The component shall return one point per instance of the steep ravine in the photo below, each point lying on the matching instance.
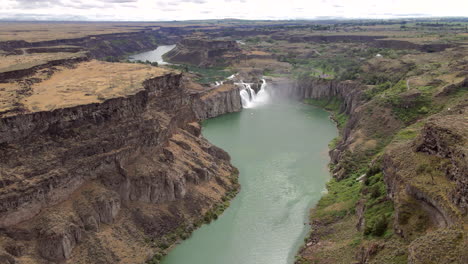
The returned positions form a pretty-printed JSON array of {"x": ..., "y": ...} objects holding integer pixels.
[
  {"x": 111, "y": 182},
  {"x": 281, "y": 177}
]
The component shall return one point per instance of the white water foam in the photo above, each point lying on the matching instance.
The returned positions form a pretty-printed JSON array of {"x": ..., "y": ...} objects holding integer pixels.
[
  {"x": 249, "y": 98},
  {"x": 231, "y": 77}
]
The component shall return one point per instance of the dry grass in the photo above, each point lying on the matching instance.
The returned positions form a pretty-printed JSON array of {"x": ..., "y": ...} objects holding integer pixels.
[
  {"x": 217, "y": 90},
  {"x": 258, "y": 53},
  {"x": 26, "y": 61},
  {"x": 35, "y": 32},
  {"x": 8, "y": 93},
  {"x": 44, "y": 31},
  {"x": 89, "y": 82},
  {"x": 335, "y": 246},
  {"x": 263, "y": 64}
]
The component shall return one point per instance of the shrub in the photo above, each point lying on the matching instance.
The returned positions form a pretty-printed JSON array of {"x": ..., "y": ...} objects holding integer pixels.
[
  {"x": 380, "y": 226},
  {"x": 375, "y": 192},
  {"x": 370, "y": 93},
  {"x": 373, "y": 170},
  {"x": 163, "y": 245}
]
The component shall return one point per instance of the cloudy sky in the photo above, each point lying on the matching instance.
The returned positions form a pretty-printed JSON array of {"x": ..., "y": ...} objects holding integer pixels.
[{"x": 160, "y": 10}]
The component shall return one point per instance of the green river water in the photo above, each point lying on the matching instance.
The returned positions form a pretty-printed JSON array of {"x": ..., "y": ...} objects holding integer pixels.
[{"x": 280, "y": 150}]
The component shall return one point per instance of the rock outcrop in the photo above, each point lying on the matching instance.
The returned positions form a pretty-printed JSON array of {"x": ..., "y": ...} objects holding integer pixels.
[
  {"x": 204, "y": 52},
  {"x": 350, "y": 92},
  {"x": 430, "y": 173},
  {"x": 94, "y": 183},
  {"x": 217, "y": 101},
  {"x": 446, "y": 137}
]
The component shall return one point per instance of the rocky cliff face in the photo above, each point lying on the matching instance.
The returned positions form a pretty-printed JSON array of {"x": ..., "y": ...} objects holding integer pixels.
[
  {"x": 431, "y": 170},
  {"x": 375, "y": 41},
  {"x": 350, "y": 92},
  {"x": 217, "y": 101},
  {"x": 427, "y": 179},
  {"x": 97, "y": 183},
  {"x": 446, "y": 137},
  {"x": 204, "y": 52}
]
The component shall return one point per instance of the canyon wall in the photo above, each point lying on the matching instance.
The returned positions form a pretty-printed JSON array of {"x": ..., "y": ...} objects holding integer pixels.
[
  {"x": 108, "y": 182},
  {"x": 98, "y": 46},
  {"x": 374, "y": 41},
  {"x": 424, "y": 175},
  {"x": 443, "y": 136},
  {"x": 218, "y": 101},
  {"x": 204, "y": 52},
  {"x": 350, "y": 92}
]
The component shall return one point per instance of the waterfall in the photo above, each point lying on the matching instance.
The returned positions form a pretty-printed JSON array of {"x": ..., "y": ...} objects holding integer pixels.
[{"x": 251, "y": 99}]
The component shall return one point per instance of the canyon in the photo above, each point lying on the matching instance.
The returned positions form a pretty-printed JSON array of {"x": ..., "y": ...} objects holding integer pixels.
[{"x": 104, "y": 161}]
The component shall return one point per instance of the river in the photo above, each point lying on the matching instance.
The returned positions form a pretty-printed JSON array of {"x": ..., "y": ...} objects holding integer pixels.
[
  {"x": 280, "y": 149},
  {"x": 153, "y": 55}
]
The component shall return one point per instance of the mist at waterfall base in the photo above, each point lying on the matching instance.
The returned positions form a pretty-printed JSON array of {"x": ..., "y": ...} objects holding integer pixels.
[{"x": 280, "y": 149}]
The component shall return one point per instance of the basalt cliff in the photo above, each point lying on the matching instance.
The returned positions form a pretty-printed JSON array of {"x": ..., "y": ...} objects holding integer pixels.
[
  {"x": 117, "y": 180},
  {"x": 204, "y": 52}
]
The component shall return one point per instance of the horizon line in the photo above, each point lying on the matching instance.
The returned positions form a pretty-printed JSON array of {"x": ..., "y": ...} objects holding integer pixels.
[{"x": 240, "y": 19}]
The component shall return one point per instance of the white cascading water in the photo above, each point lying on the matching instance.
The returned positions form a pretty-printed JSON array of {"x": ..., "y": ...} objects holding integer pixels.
[{"x": 251, "y": 99}]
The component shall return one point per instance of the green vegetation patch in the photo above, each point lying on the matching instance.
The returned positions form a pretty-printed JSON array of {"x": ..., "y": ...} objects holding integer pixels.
[
  {"x": 377, "y": 89},
  {"x": 340, "y": 199},
  {"x": 378, "y": 208},
  {"x": 406, "y": 105},
  {"x": 410, "y": 132}
]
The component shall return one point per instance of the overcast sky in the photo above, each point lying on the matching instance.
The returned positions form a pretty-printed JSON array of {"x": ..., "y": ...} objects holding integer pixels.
[{"x": 159, "y": 10}]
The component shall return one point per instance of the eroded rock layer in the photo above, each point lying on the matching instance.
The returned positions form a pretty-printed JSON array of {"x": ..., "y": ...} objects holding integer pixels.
[{"x": 103, "y": 182}]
